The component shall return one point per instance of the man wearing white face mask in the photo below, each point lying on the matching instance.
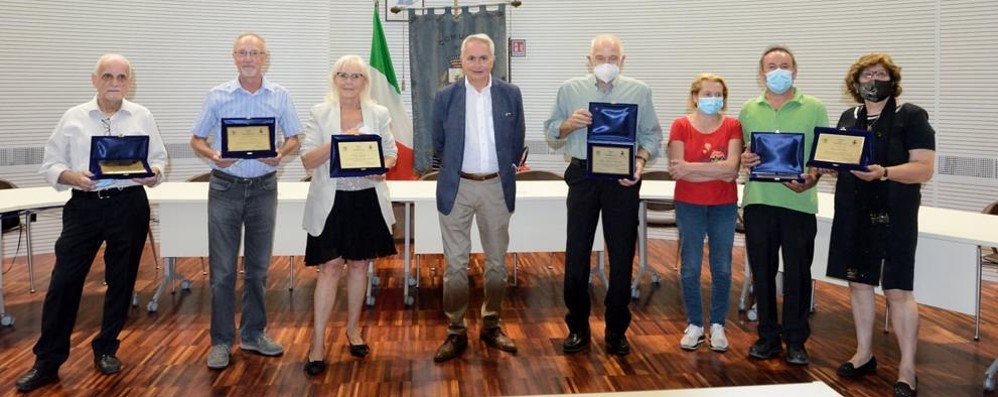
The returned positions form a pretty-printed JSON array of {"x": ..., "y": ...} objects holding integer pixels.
[
  {"x": 781, "y": 216},
  {"x": 616, "y": 199}
]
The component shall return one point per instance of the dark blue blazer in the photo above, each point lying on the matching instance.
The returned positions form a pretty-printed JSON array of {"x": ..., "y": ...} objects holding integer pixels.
[{"x": 448, "y": 138}]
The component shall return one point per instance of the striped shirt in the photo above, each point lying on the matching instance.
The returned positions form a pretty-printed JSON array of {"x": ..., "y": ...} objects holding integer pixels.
[{"x": 231, "y": 100}]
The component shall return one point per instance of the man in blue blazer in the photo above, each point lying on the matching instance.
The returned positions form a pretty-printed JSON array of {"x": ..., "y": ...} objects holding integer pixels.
[{"x": 478, "y": 133}]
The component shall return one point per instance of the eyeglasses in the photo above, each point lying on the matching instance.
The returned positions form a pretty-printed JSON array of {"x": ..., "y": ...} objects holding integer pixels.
[
  {"x": 349, "y": 76},
  {"x": 107, "y": 77},
  {"x": 879, "y": 75},
  {"x": 107, "y": 125},
  {"x": 244, "y": 53}
]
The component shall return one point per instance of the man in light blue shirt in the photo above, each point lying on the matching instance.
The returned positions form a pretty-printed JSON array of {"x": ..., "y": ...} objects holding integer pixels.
[
  {"x": 587, "y": 198},
  {"x": 243, "y": 194}
]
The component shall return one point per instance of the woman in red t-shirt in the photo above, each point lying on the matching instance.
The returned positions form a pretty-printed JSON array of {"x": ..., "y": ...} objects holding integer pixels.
[{"x": 704, "y": 149}]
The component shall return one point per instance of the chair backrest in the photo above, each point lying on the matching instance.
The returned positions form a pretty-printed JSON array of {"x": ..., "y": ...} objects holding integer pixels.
[
  {"x": 657, "y": 176},
  {"x": 991, "y": 209},
  {"x": 430, "y": 176},
  {"x": 205, "y": 177},
  {"x": 5, "y": 184},
  {"x": 538, "y": 175}
]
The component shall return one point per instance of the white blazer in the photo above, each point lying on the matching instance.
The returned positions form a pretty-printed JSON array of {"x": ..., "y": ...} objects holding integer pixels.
[{"x": 323, "y": 122}]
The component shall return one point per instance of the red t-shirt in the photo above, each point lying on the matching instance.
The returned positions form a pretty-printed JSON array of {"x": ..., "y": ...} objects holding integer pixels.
[{"x": 703, "y": 148}]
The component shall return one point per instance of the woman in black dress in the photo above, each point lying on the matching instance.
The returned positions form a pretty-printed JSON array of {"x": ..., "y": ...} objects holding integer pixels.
[{"x": 875, "y": 228}]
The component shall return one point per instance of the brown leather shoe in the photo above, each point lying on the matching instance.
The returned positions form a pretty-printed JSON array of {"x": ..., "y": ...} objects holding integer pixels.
[
  {"x": 494, "y": 337},
  {"x": 453, "y": 346}
]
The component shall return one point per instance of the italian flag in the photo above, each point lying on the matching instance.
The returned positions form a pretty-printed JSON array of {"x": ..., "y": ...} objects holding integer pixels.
[{"x": 385, "y": 90}]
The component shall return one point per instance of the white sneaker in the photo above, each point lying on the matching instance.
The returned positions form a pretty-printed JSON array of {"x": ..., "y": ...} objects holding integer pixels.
[
  {"x": 718, "y": 342},
  {"x": 692, "y": 337}
]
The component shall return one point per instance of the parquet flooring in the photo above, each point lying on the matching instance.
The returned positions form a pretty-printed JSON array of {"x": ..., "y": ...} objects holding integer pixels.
[{"x": 164, "y": 352}]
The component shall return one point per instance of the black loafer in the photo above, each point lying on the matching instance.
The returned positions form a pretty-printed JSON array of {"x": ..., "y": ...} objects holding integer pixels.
[
  {"x": 847, "y": 370},
  {"x": 315, "y": 367},
  {"x": 902, "y": 389},
  {"x": 360, "y": 350},
  {"x": 617, "y": 344},
  {"x": 34, "y": 379},
  {"x": 764, "y": 349},
  {"x": 107, "y": 364},
  {"x": 797, "y": 355},
  {"x": 575, "y": 342}
]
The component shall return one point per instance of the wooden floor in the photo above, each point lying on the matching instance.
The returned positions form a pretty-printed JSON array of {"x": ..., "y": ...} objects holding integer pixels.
[{"x": 164, "y": 352}]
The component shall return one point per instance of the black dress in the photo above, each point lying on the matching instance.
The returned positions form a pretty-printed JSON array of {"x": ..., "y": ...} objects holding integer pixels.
[{"x": 877, "y": 222}]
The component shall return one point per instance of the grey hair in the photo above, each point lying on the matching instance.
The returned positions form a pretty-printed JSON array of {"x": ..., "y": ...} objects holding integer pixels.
[
  {"x": 479, "y": 37},
  {"x": 108, "y": 57}
]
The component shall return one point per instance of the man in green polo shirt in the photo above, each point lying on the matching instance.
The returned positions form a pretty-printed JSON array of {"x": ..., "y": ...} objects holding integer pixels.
[{"x": 781, "y": 216}]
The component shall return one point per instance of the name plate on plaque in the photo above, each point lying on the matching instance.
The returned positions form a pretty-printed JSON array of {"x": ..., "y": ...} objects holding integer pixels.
[
  {"x": 781, "y": 156},
  {"x": 249, "y": 138},
  {"x": 610, "y": 140},
  {"x": 841, "y": 149},
  {"x": 356, "y": 155},
  {"x": 120, "y": 157}
]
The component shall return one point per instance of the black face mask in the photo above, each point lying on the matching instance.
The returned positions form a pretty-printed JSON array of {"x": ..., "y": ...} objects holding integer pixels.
[{"x": 876, "y": 90}]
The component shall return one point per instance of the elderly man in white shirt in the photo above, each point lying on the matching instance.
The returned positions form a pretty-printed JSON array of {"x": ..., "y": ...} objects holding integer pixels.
[{"x": 101, "y": 211}]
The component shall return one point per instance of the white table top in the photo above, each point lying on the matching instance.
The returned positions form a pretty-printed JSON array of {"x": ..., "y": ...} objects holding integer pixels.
[{"x": 946, "y": 224}]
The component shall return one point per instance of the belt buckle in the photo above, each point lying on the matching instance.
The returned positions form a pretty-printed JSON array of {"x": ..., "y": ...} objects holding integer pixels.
[{"x": 106, "y": 193}]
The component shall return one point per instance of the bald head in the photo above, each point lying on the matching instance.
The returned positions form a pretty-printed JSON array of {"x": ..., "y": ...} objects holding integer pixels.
[
  {"x": 104, "y": 59},
  {"x": 606, "y": 40}
]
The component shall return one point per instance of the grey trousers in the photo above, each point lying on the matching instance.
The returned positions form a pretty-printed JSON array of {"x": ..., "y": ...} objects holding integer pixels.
[
  {"x": 232, "y": 206},
  {"x": 483, "y": 201}
]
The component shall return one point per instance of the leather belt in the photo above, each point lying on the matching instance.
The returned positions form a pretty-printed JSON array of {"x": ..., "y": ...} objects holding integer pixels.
[
  {"x": 479, "y": 177},
  {"x": 105, "y": 193},
  {"x": 245, "y": 181},
  {"x": 579, "y": 162}
]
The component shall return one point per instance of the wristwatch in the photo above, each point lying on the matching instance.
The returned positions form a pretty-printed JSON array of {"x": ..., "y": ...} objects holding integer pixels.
[{"x": 884, "y": 177}]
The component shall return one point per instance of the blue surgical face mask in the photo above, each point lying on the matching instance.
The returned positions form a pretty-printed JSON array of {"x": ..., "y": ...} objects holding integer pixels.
[
  {"x": 779, "y": 80},
  {"x": 710, "y": 105}
]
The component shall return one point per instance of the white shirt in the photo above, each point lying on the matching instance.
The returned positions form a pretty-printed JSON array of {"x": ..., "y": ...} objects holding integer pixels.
[
  {"x": 68, "y": 149},
  {"x": 479, "y": 131}
]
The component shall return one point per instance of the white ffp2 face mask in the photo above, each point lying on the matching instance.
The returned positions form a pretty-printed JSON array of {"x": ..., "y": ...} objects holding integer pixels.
[{"x": 606, "y": 72}]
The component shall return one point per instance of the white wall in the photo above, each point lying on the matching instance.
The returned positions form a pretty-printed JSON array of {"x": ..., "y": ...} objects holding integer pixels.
[{"x": 181, "y": 48}]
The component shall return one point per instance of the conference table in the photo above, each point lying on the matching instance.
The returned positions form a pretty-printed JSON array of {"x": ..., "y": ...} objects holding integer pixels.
[
  {"x": 948, "y": 273},
  {"x": 184, "y": 231},
  {"x": 26, "y": 201}
]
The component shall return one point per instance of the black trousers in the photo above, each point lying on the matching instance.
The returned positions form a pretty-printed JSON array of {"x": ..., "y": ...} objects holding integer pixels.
[
  {"x": 769, "y": 229},
  {"x": 619, "y": 205},
  {"x": 121, "y": 221}
]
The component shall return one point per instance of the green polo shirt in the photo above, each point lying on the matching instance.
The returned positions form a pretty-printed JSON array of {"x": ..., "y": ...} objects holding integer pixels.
[{"x": 800, "y": 114}]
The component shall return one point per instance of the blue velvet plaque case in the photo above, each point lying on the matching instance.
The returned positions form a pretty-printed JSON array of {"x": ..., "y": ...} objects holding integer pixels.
[
  {"x": 249, "y": 125},
  {"x": 120, "y": 157},
  {"x": 853, "y": 142},
  {"x": 341, "y": 163},
  {"x": 781, "y": 156},
  {"x": 613, "y": 130}
]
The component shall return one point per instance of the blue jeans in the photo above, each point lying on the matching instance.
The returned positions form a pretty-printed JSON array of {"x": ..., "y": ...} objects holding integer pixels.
[
  {"x": 717, "y": 223},
  {"x": 235, "y": 204}
]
